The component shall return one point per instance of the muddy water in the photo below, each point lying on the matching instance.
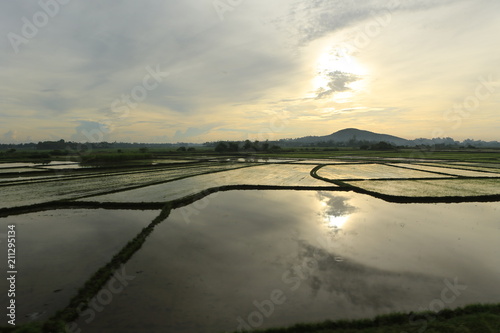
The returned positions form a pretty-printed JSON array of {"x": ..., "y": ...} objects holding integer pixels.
[
  {"x": 248, "y": 259},
  {"x": 57, "y": 251}
]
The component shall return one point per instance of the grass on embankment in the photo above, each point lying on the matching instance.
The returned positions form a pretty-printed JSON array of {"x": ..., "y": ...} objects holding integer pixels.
[{"x": 477, "y": 318}]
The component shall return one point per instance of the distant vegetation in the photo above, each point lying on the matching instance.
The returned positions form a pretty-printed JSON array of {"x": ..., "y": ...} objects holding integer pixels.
[
  {"x": 245, "y": 146},
  {"x": 349, "y": 142},
  {"x": 350, "y": 138}
]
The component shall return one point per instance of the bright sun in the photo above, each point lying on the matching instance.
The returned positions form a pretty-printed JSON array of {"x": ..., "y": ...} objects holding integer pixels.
[{"x": 335, "y": 60}]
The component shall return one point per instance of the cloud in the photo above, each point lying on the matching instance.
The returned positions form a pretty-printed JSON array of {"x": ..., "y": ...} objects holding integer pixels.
[
  {"x": 11, "y": 136},
  {"x": 338, "y": 82},
  {"x": 91, "y": 131},
  {"x": 311, "y": 20},
  {"x": 336, "y": 205},
  {"x": 193, "y": 132},
  {"x": 261, "y": 58}
]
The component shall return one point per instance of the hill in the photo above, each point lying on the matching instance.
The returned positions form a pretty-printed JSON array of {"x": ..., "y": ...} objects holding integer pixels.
[{"x": 354, "y": 134}]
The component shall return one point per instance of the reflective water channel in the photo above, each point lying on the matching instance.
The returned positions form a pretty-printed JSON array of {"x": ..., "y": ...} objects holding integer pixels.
[{"x": 257, "y": 259}]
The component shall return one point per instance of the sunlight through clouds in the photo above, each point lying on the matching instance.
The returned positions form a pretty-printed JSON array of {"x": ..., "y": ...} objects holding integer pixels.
[{"x": 327, "y": 64}]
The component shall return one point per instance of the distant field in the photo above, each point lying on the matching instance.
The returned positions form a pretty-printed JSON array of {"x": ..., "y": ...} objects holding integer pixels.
[
  {"x": 488, "y": 156},
  {"x": 54, "y": 194}
]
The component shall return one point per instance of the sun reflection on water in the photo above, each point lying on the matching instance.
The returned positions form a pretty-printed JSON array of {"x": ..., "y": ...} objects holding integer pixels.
[
  {"x": 335, "y": 210},
  {"x": 336, "y": 221}
]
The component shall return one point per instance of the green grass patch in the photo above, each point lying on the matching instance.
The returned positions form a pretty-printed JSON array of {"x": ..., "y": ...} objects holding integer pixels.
[{"x": 476, "y": 318}]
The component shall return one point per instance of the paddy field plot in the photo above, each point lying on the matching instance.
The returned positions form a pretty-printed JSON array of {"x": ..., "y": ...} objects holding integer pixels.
[
  {"x": 466, "y": 167},
  {"x": 450, "y": 171},
  {"x": 269, "y": 174},
  {"x": 210, "y": 259},
  {"x": 331, "y": 255},
  {"x": 69, "y": 188},
  {"x": 370, "y": 171},
  {"x": 28, "y": 164},
  {"x": 58, "y": 250},
  {"x": 489, "y": 165},
  {"x": 431, "y": 188},
  {"x": 172, "y": 161},
  {"x": 19, "y": 170}
]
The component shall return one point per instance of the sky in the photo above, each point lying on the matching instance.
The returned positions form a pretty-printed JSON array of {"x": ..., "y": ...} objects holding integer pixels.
[{"x": 205, "y": 70}]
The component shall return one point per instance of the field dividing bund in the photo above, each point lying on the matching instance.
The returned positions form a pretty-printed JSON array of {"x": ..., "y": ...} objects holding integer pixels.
[{"x": 325, "y": 161}]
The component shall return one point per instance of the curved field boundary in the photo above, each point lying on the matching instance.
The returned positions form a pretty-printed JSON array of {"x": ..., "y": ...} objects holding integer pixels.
[
  {"x": 409, "y": 199},
  {"x": 101, "y": 277}
]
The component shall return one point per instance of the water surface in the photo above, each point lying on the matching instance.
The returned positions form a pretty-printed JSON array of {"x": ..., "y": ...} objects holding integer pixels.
[
  {"x": 217, "y": 264},
  {"x": 57, "y": 251}
]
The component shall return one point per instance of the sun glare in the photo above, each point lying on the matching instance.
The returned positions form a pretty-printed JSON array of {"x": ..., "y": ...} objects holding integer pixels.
[
  {"x": 335, "y": 60},
  {"x": 336, "y": 221}
]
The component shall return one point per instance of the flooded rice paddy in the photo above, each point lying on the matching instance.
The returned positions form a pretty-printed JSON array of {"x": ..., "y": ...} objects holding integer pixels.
[
  {"x": 58, "y": 250},
  {"x": 304, "y": 242},
  {"x": 329, "y": 256}
]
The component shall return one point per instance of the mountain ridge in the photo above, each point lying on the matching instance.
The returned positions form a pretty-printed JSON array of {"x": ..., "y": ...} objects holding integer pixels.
[
  {"x": 353, "y": 135},
  {"x": 348, "y": 134}
]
